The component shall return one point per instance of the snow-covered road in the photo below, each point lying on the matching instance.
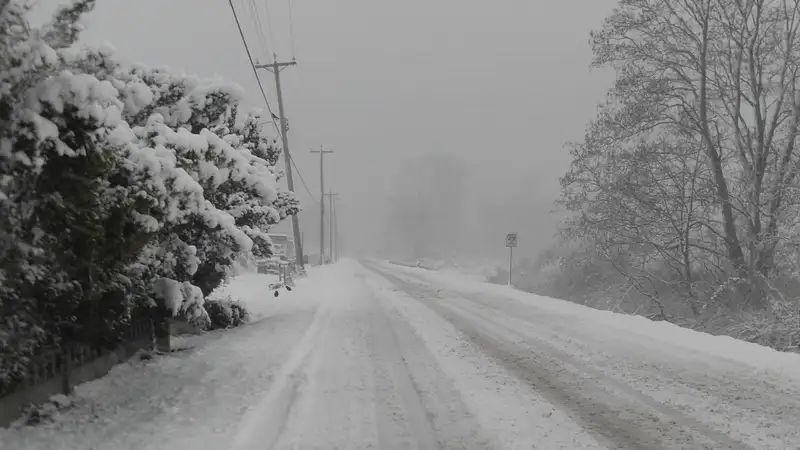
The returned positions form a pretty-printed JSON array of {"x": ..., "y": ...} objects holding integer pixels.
[
  {"x": 379, "y": 356},
  {"x": 626, "y": 382}
]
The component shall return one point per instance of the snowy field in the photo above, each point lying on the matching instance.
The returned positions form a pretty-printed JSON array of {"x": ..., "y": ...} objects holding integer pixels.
[{"x": 378, "y": 356}]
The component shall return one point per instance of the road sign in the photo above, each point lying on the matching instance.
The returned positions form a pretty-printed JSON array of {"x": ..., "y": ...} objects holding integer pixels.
[{"x": 511, "y": 240}]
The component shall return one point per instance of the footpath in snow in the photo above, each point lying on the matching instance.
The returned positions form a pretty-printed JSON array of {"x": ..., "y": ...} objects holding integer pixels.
[
  {"x": 376, "y": 356},
  {"x": 193, "y": 398}
]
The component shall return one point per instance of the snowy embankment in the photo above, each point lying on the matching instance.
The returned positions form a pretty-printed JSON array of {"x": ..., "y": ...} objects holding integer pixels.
[
  {"x": 192, "y": 398},
  {"x": 757, "y": 356}
]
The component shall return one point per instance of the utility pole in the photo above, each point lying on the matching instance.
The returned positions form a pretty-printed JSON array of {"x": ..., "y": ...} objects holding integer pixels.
[
  {"x": 322, "y": 153},
  {"x": 276, "y": 68},
  {"x": 330, "y": 195}
]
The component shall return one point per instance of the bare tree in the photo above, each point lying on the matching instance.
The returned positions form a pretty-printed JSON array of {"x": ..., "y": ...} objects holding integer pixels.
[
  {"x": 649, "y": 203},
  {"x": 723, "y": 74}
]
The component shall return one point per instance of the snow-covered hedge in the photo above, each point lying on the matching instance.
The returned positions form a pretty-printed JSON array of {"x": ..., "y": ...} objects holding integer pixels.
[
  {"x": 226, "y": 313},
  {"x": 120, "y": 186}
]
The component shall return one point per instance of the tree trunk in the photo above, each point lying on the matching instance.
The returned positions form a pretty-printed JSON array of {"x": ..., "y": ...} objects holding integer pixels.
[{"x": 729, "y": 226}]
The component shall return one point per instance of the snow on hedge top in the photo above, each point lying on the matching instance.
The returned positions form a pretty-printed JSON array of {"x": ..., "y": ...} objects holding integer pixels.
[
  {"x": 178, "y": 297},
  {"x": 30, "y": 55},
  {"x": 243, "y": 167},
  {"x": 93, "y": 98},
  {"x": 188, "y": 154}
]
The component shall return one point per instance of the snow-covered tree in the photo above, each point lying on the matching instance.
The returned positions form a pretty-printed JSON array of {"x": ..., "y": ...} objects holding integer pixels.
[{"x": 120, "y": 186}]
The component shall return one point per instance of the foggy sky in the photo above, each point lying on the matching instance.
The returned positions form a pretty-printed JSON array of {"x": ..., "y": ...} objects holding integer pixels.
[{"x": 502, "y": 83}]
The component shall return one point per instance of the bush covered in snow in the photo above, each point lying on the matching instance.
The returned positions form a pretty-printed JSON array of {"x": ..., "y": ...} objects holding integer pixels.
[
  {"x": 121, "y": 186},
  {"x": 46, "y": 412},
  {"x": 226, "y": 313}
]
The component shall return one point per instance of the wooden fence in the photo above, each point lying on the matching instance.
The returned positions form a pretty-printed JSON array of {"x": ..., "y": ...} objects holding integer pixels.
[{"x": 57, "y": 369}]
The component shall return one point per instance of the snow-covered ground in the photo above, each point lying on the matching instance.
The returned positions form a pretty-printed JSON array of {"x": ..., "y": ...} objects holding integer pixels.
[
  {"x": 628, "y": 381},
  {"x": 380, "y": 356},
  {"x": 477, "y": 269},
  {"x": 252, "y": 290},
  {"x": 193, "y": 398}
]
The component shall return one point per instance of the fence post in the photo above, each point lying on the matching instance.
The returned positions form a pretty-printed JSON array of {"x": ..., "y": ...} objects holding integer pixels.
[
  {"x": 161, "y": 328},
  {"x": 66, "y": 368}
]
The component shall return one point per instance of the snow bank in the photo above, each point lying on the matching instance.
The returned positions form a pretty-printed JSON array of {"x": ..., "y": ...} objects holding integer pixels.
[
  {"x": 252, "y": 290},
  {"x": 753, "y": 355},
  {"x": 196, "y": 397}
]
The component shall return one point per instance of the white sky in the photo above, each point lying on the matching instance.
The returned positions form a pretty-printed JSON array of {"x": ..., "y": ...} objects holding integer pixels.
[{"x": 503, "y": 83}]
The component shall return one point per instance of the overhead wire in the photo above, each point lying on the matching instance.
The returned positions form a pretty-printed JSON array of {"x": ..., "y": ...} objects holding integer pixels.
[
  {"x": 313, "y": 198},
  {"x": 264, "y": 95},
  {"x": 269, "y": 29},
  {"x": 291, "y": 29},
  {"x": 256, "y": 18},
  {"x": 253, "y": 66}
]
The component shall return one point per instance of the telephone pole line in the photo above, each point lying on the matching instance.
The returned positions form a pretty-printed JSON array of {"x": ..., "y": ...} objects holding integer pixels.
[
  {"x": 322, "y": 153},
  {"x": 276, "y": 68},
  {"x": 331, "y": 196}
]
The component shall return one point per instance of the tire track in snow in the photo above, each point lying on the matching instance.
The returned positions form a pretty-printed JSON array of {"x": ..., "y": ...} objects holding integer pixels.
[
  {"x": 371, "y": 382},
  {"x": 714, "y": 391},
  {"x": 752, "y": 406},
  {"x": 639, "y": 422},
  {"x": 438, "y": 415},
  {"x": 335, "y": 409},
  {"x": 264, "y": 424},
  {"x": 394, "y": 384},
  {"x": 576, "y": 385}
]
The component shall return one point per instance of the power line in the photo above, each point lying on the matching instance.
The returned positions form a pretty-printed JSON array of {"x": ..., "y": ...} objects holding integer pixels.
[
  {"x": 253, "y": 65},
  {"x": 263, "y": 94},
  {"x": 302, "y": 180},
  {"x": 269, "y": 30},
  {"x": 291, "y": 28},
  {"x": 259, "y": 29}
]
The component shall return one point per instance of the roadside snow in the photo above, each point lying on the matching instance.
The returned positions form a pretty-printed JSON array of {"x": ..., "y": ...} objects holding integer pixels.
[
  {"x": 674, "y": 386},
  {"x": 192, "y": 398},
  {"x": 252, "y": 290},
  {"x": 353, "y": 359},
  {"x": 664, "y": 336}
]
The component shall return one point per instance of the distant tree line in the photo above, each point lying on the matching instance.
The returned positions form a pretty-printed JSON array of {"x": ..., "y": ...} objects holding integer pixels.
[
  {"x": 121, "y": 187},
  {"x": 427, "y": 211}
]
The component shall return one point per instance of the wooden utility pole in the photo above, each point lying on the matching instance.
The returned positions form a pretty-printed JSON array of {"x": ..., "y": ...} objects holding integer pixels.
[
  {"x": 322, "y": 153},
  {"x": 330, "y": 195},
  {"x": 276, "y": 68}
]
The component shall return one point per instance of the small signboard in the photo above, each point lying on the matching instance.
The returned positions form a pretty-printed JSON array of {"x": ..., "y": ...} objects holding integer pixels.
[{"x": 511, "y": 240}]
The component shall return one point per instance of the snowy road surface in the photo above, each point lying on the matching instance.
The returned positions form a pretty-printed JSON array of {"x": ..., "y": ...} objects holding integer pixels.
[{"x": 376, "y": 356}]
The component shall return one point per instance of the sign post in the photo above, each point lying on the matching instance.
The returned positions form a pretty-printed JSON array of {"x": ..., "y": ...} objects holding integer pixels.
[{"x": 511, "y": 242}]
